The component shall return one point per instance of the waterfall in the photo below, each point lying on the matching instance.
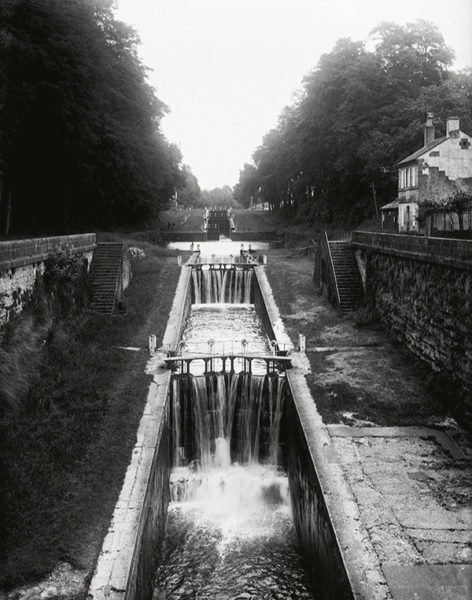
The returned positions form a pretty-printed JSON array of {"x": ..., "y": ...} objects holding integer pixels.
[
  {"x": 232, "y": 286},
  {"x": 219, "y": 418}
]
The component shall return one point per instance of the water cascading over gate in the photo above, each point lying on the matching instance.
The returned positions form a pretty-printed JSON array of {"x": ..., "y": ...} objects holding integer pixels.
[
  {"x": 222, "y": 285},
  {"x": 219, "y": 419},
  {"x": 229, "y": 528}
]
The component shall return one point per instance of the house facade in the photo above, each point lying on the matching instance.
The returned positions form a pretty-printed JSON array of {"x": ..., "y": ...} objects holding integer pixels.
[{"x": 431, "y": 175}]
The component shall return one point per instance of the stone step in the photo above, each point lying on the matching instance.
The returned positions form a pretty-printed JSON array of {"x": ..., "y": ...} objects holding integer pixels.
[{"x": 105, "y": 274}]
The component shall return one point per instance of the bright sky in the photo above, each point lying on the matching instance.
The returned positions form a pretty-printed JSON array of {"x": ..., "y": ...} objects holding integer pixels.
[{"x": 227, "y": 68}]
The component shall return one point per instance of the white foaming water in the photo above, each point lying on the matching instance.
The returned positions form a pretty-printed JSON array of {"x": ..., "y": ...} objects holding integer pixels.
[
  {"x": 241, "y": 502},
  {"x": 229, "y": 532}
]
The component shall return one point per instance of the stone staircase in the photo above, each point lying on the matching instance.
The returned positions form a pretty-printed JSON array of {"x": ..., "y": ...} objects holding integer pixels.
[
  {"x": 346, "y": 272},
  {"x": 105, "y": 274}
]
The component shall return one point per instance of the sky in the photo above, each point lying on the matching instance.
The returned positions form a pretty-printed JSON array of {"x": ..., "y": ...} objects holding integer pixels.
[{"x": 227, "y": 68}]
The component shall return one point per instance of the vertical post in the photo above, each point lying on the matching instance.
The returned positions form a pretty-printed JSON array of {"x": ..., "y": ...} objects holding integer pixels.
[
  {"x": 152, "y": 344},
  {"x": 301, "y": 343},
  {"x": 211, "y": 343}
]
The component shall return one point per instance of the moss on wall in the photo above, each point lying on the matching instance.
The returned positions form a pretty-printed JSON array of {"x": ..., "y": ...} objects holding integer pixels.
[{"x": 427, "y": 307}]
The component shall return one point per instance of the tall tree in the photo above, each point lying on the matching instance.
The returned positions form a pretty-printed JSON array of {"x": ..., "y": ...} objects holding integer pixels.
[
  {"x": 82, "y": 135},
  {"x": 330, "y": 158}
]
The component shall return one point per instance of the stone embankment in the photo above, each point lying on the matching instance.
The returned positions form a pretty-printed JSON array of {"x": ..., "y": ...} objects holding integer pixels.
[
  {"x": 22, "y": 261},
  {"x": 421, "y": 290}
]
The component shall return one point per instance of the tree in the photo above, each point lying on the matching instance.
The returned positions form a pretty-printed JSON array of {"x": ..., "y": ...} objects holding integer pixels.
[
  {"x": 81, "y": 135},
  {"x": 331, "y": 156},
  {"x": 188, "y": 191},
  {"x": 413, "y": 56},
  {"x": 246, "y": 189},
  {"x": 220, "y": 197}
]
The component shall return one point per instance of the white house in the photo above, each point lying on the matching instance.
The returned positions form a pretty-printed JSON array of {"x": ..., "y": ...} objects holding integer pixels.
[{"x": 431, "y": 174}]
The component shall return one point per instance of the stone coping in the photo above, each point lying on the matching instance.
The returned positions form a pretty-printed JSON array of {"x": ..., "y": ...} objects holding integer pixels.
[
  {"x": 444, "y": 251},
  {"x": 17, "y": 253},
  {"x": 273, "y": 313},
  {"x": 116, "y": 559},
  {"x": 177, "y": 313}
]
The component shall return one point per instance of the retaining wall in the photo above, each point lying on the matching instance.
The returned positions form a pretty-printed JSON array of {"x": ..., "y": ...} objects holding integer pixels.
[
  {"x": 316, "y": 534},
  {"x": 255, "y": 236},
  {"x": 267, "y": 310},
  {"x": 422, "y": 292},
  {"x": 22, "y": 261},
  {"x": 130, "y": 553},
  {"x": 186, "y": 236}
]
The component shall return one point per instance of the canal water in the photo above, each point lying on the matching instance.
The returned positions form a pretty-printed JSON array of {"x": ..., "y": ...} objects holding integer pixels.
[
  {"x": 223, "y": 247},
  {"x": 229, "y": 531}
]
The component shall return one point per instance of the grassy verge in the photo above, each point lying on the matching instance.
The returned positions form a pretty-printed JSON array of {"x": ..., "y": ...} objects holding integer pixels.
[
  {"x": 66, "y": 449},
  {"x": 363, "y": 377}
]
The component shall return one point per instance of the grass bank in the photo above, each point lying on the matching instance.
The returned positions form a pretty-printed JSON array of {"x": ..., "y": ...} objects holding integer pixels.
[
  {"x": 357, "y": 374},
  {"x": 65, "y": 450}
]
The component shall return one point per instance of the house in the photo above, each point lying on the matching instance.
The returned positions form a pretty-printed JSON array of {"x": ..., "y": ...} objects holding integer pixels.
[{"x": 429, "y": 177}]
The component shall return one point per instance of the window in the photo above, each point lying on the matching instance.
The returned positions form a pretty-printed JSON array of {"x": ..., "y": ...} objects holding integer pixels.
[
  {"x": 408, "y": 177},
  {"x": 402, "y": 179}
]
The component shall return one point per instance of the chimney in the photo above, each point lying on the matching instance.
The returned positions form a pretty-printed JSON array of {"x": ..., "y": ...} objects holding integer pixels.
[
  {"x": 429, "y": 131},
  {"x": 452, "y": 126}
]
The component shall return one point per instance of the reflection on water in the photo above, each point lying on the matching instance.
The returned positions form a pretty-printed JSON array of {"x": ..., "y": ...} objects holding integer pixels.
[
  {"x": 228, "y": 326},
  {"x": 223, "y": 247}
]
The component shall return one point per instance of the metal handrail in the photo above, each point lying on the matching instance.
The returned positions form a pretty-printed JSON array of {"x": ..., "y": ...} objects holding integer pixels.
[
  {"x": 222, "y": 345},
  {"x": 332, "y": 270}
]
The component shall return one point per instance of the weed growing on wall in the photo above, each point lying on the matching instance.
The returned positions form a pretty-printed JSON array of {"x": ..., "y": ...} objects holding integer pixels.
[{"x": 60, "y": 293}]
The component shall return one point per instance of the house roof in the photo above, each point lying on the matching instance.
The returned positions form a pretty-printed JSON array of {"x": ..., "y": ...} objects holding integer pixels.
[
  {"x": 396, "y": 203},
  {"x": 422, "y": 150},
  {"x": 390, "y": 205}
]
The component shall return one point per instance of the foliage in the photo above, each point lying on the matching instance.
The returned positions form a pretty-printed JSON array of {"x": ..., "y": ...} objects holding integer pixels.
[
  {"x": 188, "y": 191},
  {"x": 80, "y": 137},
  {"x": 62, "y": 292},
  {"x": 330, "y": 159},
  {"x": 459, "y": 202},
  {"x": 219, "y": 197}
]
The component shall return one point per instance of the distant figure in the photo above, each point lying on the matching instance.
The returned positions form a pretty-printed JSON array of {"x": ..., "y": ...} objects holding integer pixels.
[{"x": 168, "y": 225}]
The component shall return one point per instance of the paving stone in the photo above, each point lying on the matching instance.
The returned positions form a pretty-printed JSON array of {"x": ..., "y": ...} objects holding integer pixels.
[{"x": 425, "y": 582}]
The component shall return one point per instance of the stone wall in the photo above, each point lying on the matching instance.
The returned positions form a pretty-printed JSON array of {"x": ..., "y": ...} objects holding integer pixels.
[
  {"x": 22, "y": 261},
  {"x": 268, "y": 311},
  {"x": 153, "y": 518},
  {"x": 316, "y": 535},
  {"x": 426, "y": 305}
]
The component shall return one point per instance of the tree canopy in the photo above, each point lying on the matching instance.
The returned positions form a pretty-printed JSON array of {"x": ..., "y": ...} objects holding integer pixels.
[
  {"x": 80, "y": 138},
  {"x": 220, "y": 197},
  {"x": 331, "y": 156}
]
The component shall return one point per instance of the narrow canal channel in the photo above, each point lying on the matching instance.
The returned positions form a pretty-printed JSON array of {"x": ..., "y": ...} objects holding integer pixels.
[{"x": 229, "y": 531}]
